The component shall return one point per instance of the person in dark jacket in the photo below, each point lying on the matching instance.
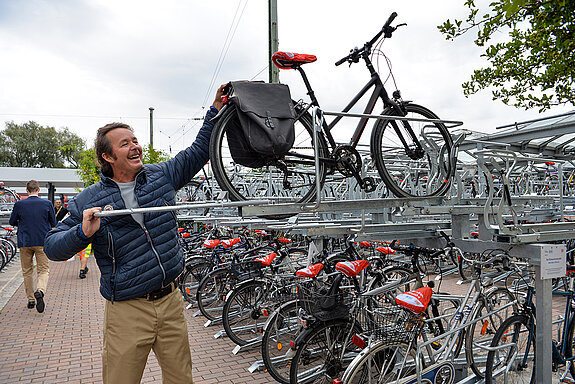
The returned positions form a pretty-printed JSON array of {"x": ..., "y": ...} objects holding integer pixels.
[
  {"x": 138, "y": 254},
  {"x": 34, "y": 217},
  {"x": 60, "y": 210}
]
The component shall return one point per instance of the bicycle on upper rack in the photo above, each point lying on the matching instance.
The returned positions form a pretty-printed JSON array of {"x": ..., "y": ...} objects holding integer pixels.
[{"x": 415, "y": 156}]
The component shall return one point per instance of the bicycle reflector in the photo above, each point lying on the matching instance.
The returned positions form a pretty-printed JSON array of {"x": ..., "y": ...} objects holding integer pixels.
[{"x": 358, "y": 341}]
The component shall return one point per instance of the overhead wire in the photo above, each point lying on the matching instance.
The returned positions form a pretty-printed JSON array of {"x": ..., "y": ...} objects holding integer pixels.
[{"x": 223, "y": 53}]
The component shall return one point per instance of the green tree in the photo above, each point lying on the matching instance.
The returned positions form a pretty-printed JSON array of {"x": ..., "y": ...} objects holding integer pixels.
[
  {"x": 36, "y": 146},
  {"x": 530, "y": 45},
  {"x": 89, "y": 169},
  {"x": 151, "y": 155}
]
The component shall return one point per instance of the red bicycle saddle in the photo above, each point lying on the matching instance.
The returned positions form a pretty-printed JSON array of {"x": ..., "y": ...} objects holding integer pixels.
[
  {"x": 416, "y": 301},
  {"x": 352, "y": 268},
  {"x": 211, "y": 243},
  {"x": 266, "y": 261},
  {"x": 289, "y": 60},
  {"x": 311, "y": 271},
  {"x": 385, "y": 250},
  {"x": 230, "y": 242}
]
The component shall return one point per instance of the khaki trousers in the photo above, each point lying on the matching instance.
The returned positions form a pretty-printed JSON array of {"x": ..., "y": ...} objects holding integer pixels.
[
  {"x": 42, "y": 264},
  {"x": 133, "y": 327}
]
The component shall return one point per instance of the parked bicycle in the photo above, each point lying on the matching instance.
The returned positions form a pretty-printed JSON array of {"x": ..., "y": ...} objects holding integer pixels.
[{"x": 413, "y": 156}]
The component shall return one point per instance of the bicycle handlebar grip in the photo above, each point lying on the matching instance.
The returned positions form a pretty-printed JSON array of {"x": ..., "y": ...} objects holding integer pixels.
[
  {"x": 341, "y": 61},
  {"x": 390, "y": 20}
]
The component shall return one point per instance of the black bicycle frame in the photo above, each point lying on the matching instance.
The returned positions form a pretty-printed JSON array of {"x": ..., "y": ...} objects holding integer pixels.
[{"x": 379, "y": 92}]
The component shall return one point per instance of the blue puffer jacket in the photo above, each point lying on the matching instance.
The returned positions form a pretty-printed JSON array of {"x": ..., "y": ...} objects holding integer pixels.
[{"x": 133, "y": 261}]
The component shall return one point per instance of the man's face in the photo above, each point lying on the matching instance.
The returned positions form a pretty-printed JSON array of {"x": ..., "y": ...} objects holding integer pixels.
[
  {"x": 57, "y": 203},
  {"x": 126, "y": 156}
]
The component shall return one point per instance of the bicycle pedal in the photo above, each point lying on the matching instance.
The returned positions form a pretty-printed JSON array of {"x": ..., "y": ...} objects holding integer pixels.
[{"x": 435, "y": 345}]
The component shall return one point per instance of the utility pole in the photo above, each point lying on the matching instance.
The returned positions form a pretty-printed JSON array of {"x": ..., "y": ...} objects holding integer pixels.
[
  {"x": 274, "y": 74},
  {"x": 151, "y": 127}
]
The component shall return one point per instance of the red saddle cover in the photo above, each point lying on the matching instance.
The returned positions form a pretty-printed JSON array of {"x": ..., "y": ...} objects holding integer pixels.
[
  {"x": 385, "y": 250},
  {"x": 416, "y": 301},
  {"x": 311, "y": 271},
  {"x": 352, "y": 268},
  {"x": 229, "y": 243},
  {"x": 266, "y": 261},
  {"x": 288, "y": 60},
  {"x": 365, "y": 244},
  {"x": 284, "y": 240},
  {"x": 211, "y": 243}
]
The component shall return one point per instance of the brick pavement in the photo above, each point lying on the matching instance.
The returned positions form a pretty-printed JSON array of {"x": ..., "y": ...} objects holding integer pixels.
[{"x": 64, "y": 343}]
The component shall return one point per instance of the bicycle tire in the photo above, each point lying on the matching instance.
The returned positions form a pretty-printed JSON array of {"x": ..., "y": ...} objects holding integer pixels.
[
  {"x": 243, "y": 315},
  {"x": 317, "y": 357},
  {"x": 281, "y": 327},
  {"x": 212, "y": 292},
  {"x": 196, "y": 269},
  {"x": 3, "y": 258},
  {"x": 570, "y": 350},
  {"x": 379, "y": 363},
  {"x": 516, "y": 329},
  {"x": 482, "y": 332},
  {"x": 267, "y": 182},
  {"x": 424, "y": 174}
]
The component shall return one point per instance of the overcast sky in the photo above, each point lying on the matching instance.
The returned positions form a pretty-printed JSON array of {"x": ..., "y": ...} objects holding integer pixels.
[{"x": 84, "y": 63}]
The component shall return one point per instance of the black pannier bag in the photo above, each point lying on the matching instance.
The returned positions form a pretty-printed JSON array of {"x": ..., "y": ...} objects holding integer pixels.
[{"x": 263, "y": 130}]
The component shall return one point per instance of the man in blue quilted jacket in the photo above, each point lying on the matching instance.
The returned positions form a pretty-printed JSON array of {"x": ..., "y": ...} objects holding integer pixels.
[{"x": 138, "y": 254}]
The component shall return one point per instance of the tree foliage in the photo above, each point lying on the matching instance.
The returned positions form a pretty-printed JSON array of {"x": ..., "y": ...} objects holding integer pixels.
[
  {"x": 88, "y": 168},
  {"x": 35, "y": 146},
  {"x": 151, "y": 155},
  {"x": 530, "y": 45}
]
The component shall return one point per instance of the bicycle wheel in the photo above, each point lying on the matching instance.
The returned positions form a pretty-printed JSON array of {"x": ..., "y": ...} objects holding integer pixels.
[
  {"x": 324, "y": 354},
  {"x": 570, "y": 350},
  {"x": 481, "y": 332},
  {"x": 407, "y": 169},
  {"x": 289, "y": 179},
  {"x": 196, "y": 269},
  {"x": 212, "y": 291},
  {"x": 516, "y": 336},
  {"x": 281, "y": 328},
  {"x": 245, "y": 311},
  {"x": 382, "y": 362}
]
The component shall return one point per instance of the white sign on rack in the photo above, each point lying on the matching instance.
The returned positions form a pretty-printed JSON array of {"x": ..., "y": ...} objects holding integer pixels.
[{"x": 553, "y": 261}]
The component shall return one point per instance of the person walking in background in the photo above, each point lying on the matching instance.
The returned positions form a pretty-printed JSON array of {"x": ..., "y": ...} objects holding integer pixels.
[
  {"x": 34, "y": 217},
  {"x": 138, "y": 254},
  {"x": 60, "y": 210},
  {"x": 83, "y": 256}
]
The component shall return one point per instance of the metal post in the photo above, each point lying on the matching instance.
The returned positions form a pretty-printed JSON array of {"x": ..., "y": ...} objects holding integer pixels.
[
  {"x": 274, "y": 75},
  {"x": 151, "y": 127},
  {"x": 543, "y": 337}
]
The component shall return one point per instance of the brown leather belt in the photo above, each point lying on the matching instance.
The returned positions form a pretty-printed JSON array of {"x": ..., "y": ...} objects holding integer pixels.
[{"x": 159, "y": 293}]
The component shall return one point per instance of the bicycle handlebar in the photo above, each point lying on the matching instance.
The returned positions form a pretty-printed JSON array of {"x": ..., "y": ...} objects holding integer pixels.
[
  {"x": 386, "y": 30},
  {"x": 430, "y": 252}
]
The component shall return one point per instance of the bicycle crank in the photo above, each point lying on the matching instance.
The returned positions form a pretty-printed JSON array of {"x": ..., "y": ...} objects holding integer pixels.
[{"x": 348, "y": 163}]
